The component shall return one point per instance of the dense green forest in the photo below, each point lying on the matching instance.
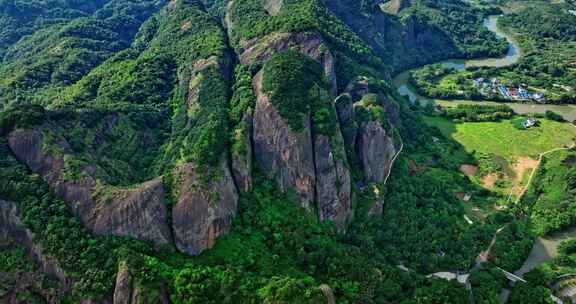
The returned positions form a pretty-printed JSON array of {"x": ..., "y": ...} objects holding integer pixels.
[
  {"x": 550, "y": 202},
  {"x": 125, "y": 94}
]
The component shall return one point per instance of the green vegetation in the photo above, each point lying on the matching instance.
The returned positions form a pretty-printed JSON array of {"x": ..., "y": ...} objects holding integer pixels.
[
  {"x": 136, "y": 92},
  {"x": 353, "y": 56},
  {"x": 487, "y": 285},
  {"x": 19, "y": 276},
  {"x": 545, "y": 33},
  {"x": 293, "y": 82},
  {"x": 547, "y": 275},
  {"x": 477, "y": 113},
  {"x": 65, "y": 44},
  {"x": 503, "y": 139},
  {"x": 550, "y": 200},
  {"x": 471, "y": 39},
  {"x": 89, "y": 260},
  {"x": 513, "y": 245}
]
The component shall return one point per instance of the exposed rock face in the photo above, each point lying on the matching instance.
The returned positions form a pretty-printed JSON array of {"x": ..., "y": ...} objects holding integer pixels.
[
  {"x": 376, "y": 151},
  {"x": 307, "y": 43},
  {"x": 358, "y": 88},
  {"x": 139, "y": 213},
  {"x": 127, "y": 291},
  {"x": 315, "y": 167},
  {"x": 123, "y": 290},
  {"x": 242, "y": 154},
  {"x": 391, "y": 109},
  {"x": 282, "y": 153},
  {"x": 345, "y": 111},
  {"x": 333, "y": 183},
  {"x": 11, "y": 227},
  {"x": 205, "y": 209},
  {"x": 417, "y": 35},
  {"x": 405, "y": 43},
  {"x": 328, "y": 294},
  {"x": 273, "y": 7},
  {"x": 396, "y": 6}
]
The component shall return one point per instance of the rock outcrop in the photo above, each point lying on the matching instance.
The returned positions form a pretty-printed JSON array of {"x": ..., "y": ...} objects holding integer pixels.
[
  {"x": 242, "y": 154},
  {"x": 139, "y": 212},
  {"x": 282, "y": 153},
  {"x": 12, "y": 228},
  {"x": 333, "y": 182},
  {"x": 345, "y": 112},
  {"x": 314, "y": 166},
  {"x": 207, "y": 203},
  {"x": 273, "y": 7},
  {"x": 127, "y": 291},
  {"x": 259, "y": 51},
  {"x": 124, "y": 285},
  {"x": 376, "y": 151},
  {"x": 396, "y": 6},
  {"x": 328, "y": 294}
]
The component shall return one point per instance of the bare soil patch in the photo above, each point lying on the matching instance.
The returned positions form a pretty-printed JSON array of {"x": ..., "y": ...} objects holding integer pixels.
[
  {"x": 469, "y": 170},
  {"x": 186, "y": 26},
  {"x": 489, "y": 181},
  {"x": 521, "y": 166}
]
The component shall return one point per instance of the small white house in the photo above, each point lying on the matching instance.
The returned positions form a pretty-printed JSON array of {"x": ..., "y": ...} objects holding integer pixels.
[
  {"x": 529, "y": 123},
  {"x": 538, "y": 96}
]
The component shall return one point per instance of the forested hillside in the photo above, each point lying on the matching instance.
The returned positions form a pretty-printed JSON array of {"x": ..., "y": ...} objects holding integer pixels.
[{"x": 239, "y": 151}]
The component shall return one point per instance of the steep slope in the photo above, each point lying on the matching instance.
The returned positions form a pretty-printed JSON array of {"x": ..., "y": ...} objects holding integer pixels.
[
  {"x": 149, "y": 132},
  {"x": 64, "y": 49},
  {"x": 420, "y": 32}
]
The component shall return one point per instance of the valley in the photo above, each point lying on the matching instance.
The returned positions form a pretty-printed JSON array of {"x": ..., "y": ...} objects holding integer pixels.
[
  {"x": 279, "y": 152},
  {"x": 509, "y": 159}
]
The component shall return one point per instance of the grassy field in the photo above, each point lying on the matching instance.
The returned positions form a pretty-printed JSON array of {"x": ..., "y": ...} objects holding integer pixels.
[{"x": 503, "y": 139}]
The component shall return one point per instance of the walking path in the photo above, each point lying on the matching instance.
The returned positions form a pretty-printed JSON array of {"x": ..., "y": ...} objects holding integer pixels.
[
  {"x": 394, "y": 160},
  {"x": 540, "y": 158}
]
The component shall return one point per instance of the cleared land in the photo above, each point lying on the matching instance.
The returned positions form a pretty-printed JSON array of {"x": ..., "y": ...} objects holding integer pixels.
[
  {"x": 503, "y": 139},
  {"x": 515, "y": 152}
]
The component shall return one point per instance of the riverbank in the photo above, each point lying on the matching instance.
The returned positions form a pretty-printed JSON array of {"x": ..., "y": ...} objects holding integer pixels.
[
  {"x": 404, "y": 88},
  {"x": 545, "y": 249}
]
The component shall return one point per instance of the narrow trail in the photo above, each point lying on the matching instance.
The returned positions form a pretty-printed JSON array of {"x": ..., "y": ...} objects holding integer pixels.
[
  {"x": 533, "y": 173},
  {"x": 394, "y": 160}
]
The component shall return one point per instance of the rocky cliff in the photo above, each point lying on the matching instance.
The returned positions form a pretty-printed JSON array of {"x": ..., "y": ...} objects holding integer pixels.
[
  {"x": 281, "y": 152},
  {"x": 207, "y": 203},
  {"x": 139, "y": 212},
  {"x": 129, "y": 291},
  {"x": 404, "y": 41},
  {"x": 12, "y": 228},
  {"x": 314, "y": 162}
]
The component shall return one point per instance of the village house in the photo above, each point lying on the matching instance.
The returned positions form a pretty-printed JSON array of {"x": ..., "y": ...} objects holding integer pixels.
[
  {"x": 496, "y": 86},
  {"x": 529, "y": 123}
]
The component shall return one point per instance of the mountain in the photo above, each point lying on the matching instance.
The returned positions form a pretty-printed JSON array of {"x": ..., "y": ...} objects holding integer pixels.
[{"x": 239, "y": 151}]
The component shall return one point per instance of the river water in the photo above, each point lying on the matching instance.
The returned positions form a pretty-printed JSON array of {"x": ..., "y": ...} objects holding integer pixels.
[
  {"x": 545, "y": 248},
  {"x": 513, "y": 55}
]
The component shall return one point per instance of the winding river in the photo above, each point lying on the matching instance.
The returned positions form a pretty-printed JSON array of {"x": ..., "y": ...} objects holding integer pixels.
[
  {"x": 545, "y": 248},
  {"x": 513, "y": 55}
]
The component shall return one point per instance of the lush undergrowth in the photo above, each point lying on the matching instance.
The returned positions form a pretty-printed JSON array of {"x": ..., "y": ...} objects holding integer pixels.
[
  {"x": 21, "y": 278},
  {"x": 550, "y": 200},
  {"x": 278, "y": 251},
  {"x": 137, "y": 103}
]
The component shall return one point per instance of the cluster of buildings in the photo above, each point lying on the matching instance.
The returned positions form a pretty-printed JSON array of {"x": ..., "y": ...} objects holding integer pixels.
[{"x": 494, "y": 86}]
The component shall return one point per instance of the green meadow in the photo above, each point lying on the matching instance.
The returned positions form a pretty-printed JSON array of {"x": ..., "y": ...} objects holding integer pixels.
[{"x": 504, "y": 139}]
